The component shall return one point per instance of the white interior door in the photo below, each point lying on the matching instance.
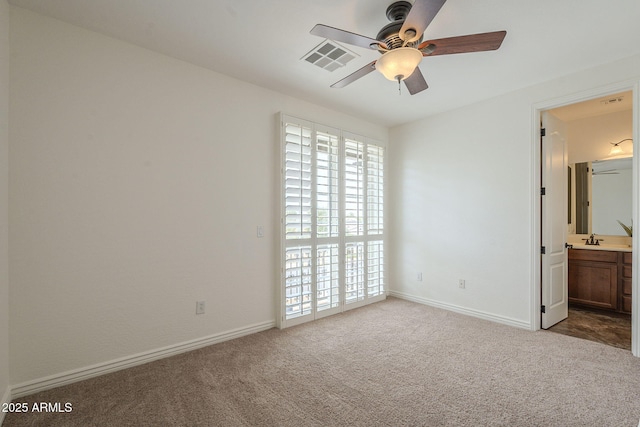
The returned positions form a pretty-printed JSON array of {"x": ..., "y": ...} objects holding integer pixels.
[{"x": 555, "y": 287}]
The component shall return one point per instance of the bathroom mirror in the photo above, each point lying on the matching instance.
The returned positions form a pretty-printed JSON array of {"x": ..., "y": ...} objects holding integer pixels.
[{"x": 601, "y": 196}]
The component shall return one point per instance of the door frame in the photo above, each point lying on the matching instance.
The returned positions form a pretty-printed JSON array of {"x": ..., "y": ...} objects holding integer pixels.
[{"x": 536, "y": 175}]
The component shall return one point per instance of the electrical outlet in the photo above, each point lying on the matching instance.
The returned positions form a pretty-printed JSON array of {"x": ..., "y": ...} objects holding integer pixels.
[
  {"x": 461, "y": 284},
  {"x": 200, "y": 307},
  {"x": 260, "y": 231},
  {"x": 419, "y": 277}
]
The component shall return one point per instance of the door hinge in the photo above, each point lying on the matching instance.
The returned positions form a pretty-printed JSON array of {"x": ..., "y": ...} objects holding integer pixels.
[
  {"x": 544, "y": 309},
  {"x": 543, "y": 250},
  {"x": 543, "y": 132},
  {"x": 543, "y": 191}
]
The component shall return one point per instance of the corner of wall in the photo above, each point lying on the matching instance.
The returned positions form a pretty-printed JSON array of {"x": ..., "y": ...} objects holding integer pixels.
[{"x": 5, "y": 390}]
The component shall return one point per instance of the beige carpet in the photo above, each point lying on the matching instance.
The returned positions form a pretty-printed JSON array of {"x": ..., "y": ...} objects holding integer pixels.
[{"x": 394, "y": 363}]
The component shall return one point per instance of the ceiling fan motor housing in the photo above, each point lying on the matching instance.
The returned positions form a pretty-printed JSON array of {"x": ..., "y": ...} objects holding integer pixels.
[
  {"x": 398, "y": 11},
  {"x": 390, "y": 34}
]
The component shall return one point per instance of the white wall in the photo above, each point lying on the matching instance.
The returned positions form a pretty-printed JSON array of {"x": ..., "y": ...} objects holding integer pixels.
[
  {"x": 137, "y": 183},
  {"x": 463, "y": 200},
  {"x": 460, "y": 209},
  {"x": 4, "y": 194}
]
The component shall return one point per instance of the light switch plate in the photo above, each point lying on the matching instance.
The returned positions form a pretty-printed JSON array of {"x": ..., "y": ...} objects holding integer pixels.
[{"x": 200, "y": 307}]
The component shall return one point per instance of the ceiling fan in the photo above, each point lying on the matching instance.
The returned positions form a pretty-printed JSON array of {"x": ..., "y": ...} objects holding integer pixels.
[{"x": 401, "y": 45}]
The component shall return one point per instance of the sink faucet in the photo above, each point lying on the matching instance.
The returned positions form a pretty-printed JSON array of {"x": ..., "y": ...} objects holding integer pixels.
[{"x": 592, "y": 240}]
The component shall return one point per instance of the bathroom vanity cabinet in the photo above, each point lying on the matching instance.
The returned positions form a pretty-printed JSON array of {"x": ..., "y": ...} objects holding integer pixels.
[{"x": 600, "y": 279}]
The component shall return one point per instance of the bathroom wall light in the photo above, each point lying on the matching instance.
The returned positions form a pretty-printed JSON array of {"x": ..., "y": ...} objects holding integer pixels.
[{"x": 616, "y": 149}]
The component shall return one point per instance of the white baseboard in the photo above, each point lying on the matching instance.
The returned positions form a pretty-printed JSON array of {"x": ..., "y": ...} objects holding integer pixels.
[
  {"x": 6, "y": 398},
  {"x": 462, "y": 310},
  {"x": 76, "y": 375}
]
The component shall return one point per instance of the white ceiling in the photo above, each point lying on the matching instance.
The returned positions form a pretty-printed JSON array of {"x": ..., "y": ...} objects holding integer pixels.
[{"x": 263, "y": 41}]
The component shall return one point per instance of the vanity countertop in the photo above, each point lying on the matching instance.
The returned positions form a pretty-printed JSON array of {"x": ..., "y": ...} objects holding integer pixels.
[
  {"x": 607, "y": 243},
  {"x": 603, "y": 247}
]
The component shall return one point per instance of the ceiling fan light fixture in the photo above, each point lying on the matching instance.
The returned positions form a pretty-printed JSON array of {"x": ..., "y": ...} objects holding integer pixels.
[{"x": 400, "y": 63}]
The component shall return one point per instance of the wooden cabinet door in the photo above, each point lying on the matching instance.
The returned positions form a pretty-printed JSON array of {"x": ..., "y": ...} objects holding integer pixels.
[{"x": 593, "y": 284}]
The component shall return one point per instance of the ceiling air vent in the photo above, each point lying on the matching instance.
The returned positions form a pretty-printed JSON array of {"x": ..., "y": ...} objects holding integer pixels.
[
  {"x": 613, "y": 100},
  {"x": 329, "y": 55}
]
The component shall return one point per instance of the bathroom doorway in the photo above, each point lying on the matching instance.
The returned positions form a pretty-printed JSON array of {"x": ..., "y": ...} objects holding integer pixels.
[{"x": 598, "y": 215}]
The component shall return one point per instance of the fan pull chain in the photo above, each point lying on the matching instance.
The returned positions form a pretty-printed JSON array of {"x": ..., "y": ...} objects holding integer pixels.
[{"x": 399, "y": 86}]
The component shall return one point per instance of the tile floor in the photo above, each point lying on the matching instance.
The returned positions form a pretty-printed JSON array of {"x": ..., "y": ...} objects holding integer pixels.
[{"x": 608, "y": 328}]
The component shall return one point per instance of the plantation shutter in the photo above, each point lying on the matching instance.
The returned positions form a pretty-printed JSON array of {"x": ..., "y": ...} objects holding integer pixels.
[
  {"x": 298, "y": 182},
  {"x": 375, "y": 220},
  {"x": 332, "y": 221},
  {"x": 297, "y": 220}
]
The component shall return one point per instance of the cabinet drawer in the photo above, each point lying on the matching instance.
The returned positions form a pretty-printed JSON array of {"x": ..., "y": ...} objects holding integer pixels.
[
  {"x": 587, "y": 255},
  {"x": 626, "y": 271},
  {"x": 627, "y": 258},
  {"x": 626, "y": 304},
  {"x": 626, "y": 286}
]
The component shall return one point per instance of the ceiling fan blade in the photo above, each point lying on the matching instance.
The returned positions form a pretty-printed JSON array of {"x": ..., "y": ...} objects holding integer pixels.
[
  {"x": 420, "y": 16},
  {"x": 415, "y": 82},
  {"x": 463, "y": 44},
  {"x": 356, "y": 75},
  {"x": 344, "y": 36}
]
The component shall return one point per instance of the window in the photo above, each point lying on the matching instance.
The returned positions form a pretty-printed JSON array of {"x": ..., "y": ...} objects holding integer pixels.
[{"x": 332, "y": 221}]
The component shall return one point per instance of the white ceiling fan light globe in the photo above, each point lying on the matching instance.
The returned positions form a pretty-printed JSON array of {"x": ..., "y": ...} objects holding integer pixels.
[{"x": 400, "y": 63}]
